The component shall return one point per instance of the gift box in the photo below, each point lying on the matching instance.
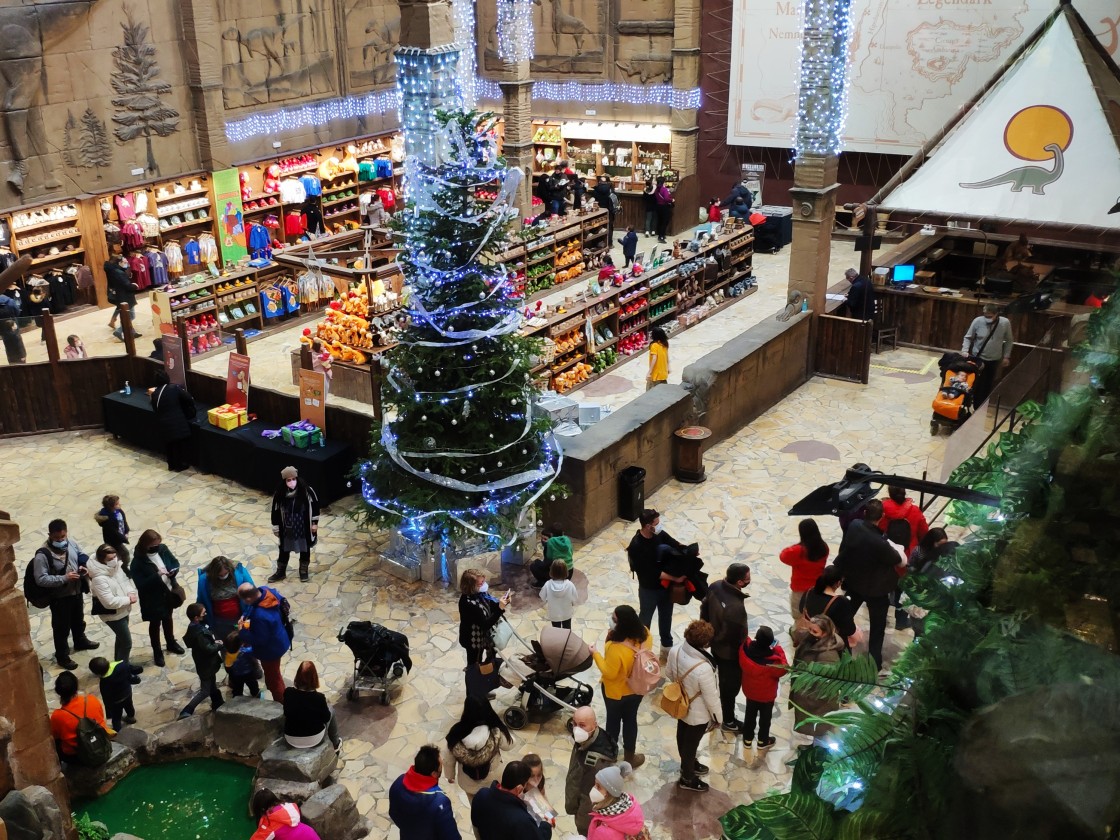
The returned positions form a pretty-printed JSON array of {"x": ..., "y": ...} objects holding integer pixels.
[
  {"x": 301, "y": 435},
  {"x": 214, "y": 414},
  {"x": 227, "y": 416}
]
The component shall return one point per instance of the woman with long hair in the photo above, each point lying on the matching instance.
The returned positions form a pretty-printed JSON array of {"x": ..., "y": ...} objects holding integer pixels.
[
  {"x": 820, "y": 644},
  {"x": 626, "y": 636},
  {"x": 472, "y": 751},
  {"x": 658, "y": 373},
  {"x": 217, "y": 591},
  {"x": 827, "y": 598},
  {"x": 154, "y": 571},
  {"x": 806, "y": 559}
]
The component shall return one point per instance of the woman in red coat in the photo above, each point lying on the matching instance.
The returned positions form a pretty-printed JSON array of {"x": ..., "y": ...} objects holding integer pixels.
[
  {"x": 807, "y": 558},
  {"x": 897, "y": 506},
  {"x": 764, "y": 663}
]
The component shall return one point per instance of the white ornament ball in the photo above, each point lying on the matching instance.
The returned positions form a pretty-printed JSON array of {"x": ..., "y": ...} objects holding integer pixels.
[
  {"x": 423, "y": 418},
  {"x": 427, "y": 470},
  {"x": 454, "y": 422},
  {"x": 524, "y": 451},
  {"x": 552, "y": 498},
  {"x": 492, "y": 373},
  {"x": 463, "y": 471},
  {"x": 437, "y": 373},
  {"x": 419, "y": 370},
  {"x": 499, "y": 463},
  {"x": 482, "y": 469},
  {"x": 491, "y": 436},
  {"x": 513, "y": 402},
  {"x": 482, "y": 295}
]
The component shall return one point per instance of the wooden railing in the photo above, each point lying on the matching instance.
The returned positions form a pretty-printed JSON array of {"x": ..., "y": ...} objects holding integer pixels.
[{"x": 842, "y": 348}]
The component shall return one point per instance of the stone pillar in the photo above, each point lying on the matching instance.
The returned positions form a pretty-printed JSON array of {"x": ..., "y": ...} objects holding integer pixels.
[
  {"x": 814, "y": 211},
  {"x": 517, "y": 143},
  {"x": 683, "y": 122},
  {"x": 30, "y": 753},
  {"x": 426, "y": 70},
  {"x": 202, "y": 45},
  {"x": 821, "y": 102}
]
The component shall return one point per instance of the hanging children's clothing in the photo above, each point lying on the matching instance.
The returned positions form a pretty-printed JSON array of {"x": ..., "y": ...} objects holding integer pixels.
[
  {"x": 132, "y": 236},
  {"x": 126, "y": 208},
  {"x": 312, "y": 219},
  {"x": 174, "y": 255},
  {"x": 293, "y": 224},
  {"x": 311, "y": 185},
  {"x": 292, "y": 191},
  {"x": 157, "y": 265},
  {"x": 191, "y": 252},
  {"x": 260, "y": 243},
  {"x": 139, "y": 267},
  {"x": 207, "y": 248}
]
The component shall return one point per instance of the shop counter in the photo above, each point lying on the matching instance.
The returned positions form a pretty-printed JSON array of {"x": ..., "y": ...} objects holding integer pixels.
[{"x": 241, "y": 455}]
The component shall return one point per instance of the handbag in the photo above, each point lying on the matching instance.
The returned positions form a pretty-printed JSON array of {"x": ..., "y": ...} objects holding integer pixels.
[
  {"x": 679, "y": 594},
  {"x": 483, "y": 676},
  {"x": 501, "y": 633},
  {"x": 802, "y": 622},
  {"x": 176, "y": 596}
]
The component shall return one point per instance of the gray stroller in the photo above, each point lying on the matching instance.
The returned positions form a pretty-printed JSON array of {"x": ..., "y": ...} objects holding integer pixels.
[{"x": 544, "y": 678}]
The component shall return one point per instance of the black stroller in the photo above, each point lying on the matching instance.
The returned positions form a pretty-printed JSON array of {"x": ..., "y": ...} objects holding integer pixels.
[
  {"x": 953, "y": 403},
  {"x": 539, "y": 676},
  {"x": 380, "y": 658}
]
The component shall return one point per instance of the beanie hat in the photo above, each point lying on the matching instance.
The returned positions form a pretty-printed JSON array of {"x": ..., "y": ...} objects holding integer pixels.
[
  {"x": 289, "y": 472},
  {"x": 610, "y": 778}
]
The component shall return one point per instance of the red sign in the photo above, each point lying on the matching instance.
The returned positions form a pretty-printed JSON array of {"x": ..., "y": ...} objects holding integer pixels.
[
  {"x": 173, "y": 359},
  {"x": 237, "y": 380}
]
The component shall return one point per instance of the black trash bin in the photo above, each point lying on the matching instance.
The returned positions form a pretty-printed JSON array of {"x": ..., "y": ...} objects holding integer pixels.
[{"x": 631, "y": 493}]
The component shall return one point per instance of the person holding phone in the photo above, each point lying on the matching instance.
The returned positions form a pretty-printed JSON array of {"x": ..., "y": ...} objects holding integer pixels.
[
  {"x": 155, "y": 571},
  {"x": 479, "y": 612},
  {"x": 59, "y": 566}
]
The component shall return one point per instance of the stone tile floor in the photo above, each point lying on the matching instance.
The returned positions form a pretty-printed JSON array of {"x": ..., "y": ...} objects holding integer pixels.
[{"x": 738, "y": 514}]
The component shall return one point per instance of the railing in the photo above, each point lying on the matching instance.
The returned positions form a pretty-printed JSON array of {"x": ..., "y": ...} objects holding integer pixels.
[{"x": 843, "y": 348}]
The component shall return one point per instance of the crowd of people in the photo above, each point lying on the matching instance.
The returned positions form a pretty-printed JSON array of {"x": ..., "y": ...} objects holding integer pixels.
[{"x": 245, "y": 629}]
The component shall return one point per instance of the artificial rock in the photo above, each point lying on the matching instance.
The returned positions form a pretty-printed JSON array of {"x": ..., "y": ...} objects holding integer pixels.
[
  {"x": 332, "y": 813},
  {"x": 247, "y": 726},
  {"x": 94, "y": 781},
  {"x": 280, "y": 761}
]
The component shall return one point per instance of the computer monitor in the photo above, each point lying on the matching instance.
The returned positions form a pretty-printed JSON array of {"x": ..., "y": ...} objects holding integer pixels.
[{"x": 903, "y": 274}]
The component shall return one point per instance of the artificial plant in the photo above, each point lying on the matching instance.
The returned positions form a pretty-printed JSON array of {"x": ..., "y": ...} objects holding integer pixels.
[
  {"x": 460, "y": 454},
  {"x": 983, "y": 727}
]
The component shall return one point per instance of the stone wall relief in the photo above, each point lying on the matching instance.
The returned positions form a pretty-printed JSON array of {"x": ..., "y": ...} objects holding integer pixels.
[
  {"x": 287, "y": 52},
  {"x": 372, "y": 33}
]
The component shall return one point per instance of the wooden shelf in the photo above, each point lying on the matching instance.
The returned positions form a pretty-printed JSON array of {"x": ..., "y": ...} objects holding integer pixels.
[
  {"x": 59, "y": 256},
  {"x": 595, "y": 319},
  {"x": 178, "y": 196},
  {"x": 339, "y": 200},
  {"x": 62, "y": 237},
  {"x": 299, "y": 170},
  {"x": 16, "y": 231},
  {"x": 198, "y": 205},
  {"x": 237, "y": 321},
  {"x": 192, "y": 223},
  {"x": 633, "y": 330}
]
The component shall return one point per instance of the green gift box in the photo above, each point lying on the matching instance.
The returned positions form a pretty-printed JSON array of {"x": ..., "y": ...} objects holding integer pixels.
[{"x": 300, "y": 438}]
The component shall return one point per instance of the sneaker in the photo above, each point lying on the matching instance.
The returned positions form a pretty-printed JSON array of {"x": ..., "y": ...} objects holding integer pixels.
[
  {"x": 693, "y": 784},
  {"x": 731, "y": 726},
  {"x": 183, "y": 715},
  {"x": 158, "y": 660},
  {"x": 87, "y": 644},
  {"x": 118, "y": 334},
  {"x": 702, "y": 769},
  {"x": 67, "y": 663},
  {"x": 276, "y": 576},
  {"x": 767, "y": 743},
  {"x": 176, "y": 648},
  {"x": 129, "y": 719},
  {"x": 304, "y": 577}
]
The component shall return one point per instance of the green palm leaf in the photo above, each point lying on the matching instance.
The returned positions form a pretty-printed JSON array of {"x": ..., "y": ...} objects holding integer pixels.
[
  {"x": 853, "y": 677},
  {"x": 784, "y": 816}
]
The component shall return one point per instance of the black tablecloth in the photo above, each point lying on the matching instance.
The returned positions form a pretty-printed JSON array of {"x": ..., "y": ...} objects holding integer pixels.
[{"x": 240, "y": 454}]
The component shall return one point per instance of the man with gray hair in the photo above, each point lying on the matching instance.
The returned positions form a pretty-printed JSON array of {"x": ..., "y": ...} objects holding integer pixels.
[
  {"x": 988, "y": 340},
  {"x": 861, "y": 296}
]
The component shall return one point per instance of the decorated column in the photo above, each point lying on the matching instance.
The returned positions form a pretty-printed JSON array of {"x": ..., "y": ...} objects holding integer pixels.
[
  {"x": 821, "y": 112},
  {"x": 516, "y": 43}
]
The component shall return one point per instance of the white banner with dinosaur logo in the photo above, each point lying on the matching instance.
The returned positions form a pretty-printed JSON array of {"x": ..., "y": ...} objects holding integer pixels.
[
  {"x": 913, "y": 64},
  {"x": 1037, "y": 147}
]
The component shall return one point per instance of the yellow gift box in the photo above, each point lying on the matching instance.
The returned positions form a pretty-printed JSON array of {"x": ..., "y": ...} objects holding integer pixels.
[
  {"x": 215, "y": 413},
  {"x": 227, "y": 417},
  {"x": 242, "y": 415}
]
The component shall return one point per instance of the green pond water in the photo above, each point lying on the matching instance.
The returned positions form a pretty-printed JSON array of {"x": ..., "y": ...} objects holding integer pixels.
[{"x": 197, "y": 799}]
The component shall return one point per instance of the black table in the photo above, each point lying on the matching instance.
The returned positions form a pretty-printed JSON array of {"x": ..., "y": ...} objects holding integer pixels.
[{"x": 241, "y": 454}]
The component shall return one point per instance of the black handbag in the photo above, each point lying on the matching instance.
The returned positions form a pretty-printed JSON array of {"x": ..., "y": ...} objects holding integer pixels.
[{"x": 483, "y": 676}]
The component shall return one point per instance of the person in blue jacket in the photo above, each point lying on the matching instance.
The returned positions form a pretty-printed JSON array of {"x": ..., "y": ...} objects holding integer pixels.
[
  {"x": 218, "y": 581},
  {"x": 417, "y": 805},
  {"x": 263, "y": 628}
]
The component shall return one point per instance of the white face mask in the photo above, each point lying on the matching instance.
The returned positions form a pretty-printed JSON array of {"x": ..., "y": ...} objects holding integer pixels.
[
  {"x": 580, "y": 734},
  {"x": 596, "y": 795},
  {"x": 483, "y": 587},
  {"x": 657, "y": 528},
  {"x": 534, "y": 782},
  {"x": 291, "y": 482},
  {"x": 613, "y": 624}
]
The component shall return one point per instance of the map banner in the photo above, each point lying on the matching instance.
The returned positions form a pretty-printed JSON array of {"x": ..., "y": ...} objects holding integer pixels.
[{"x": 913, "y": 64}]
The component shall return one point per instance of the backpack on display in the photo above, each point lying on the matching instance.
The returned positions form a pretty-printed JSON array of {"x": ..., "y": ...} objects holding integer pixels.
[
  {"x": 36, "y": 595},
  {"x": 645, "y": 673},
  {"x": 675, "y": 701},
  {"x": 94, "y": 747}
]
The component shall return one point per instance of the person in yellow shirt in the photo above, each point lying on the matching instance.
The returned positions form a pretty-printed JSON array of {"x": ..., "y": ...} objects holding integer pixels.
[
  {"x": 626, "y": 636},
  {"x": 658, "y": 358}
]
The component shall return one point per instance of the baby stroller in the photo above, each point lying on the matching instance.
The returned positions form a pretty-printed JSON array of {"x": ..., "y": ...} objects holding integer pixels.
[
  {"x": 953, "y": 403},
  {"x": 380, "y": 658},
  {"x": 544, "y": 678}
]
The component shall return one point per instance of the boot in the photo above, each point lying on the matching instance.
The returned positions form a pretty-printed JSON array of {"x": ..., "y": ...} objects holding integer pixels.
[
  {"x": 303, "y": 571},
  {"x": 635, "y": 759},
  {"x": 280, "y": 573}
]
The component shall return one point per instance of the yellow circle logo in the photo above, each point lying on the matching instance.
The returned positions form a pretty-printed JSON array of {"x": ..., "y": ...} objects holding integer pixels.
[{"x": 1030, "y": 131}]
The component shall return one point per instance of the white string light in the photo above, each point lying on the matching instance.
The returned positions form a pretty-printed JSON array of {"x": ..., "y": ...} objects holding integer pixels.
[
  {"x": 462, "y": 12},
  {"x": 515, "y": 30},
  {"x": 822, "y": 106},
  {"x": 389, "y": 101}
]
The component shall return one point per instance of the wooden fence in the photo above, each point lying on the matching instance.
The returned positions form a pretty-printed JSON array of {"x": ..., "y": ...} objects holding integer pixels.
[{"x": 843, "y": 348}]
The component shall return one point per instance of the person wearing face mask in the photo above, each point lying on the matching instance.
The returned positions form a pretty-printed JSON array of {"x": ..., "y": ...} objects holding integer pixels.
[
  {"x": 59, "y": 566},
  {"x": 417, "y": 806},
  {"x": 593, "y": 750},
  {"x": 820, "y": 644},
  {"x": 725, "y": 608},
  {"x": 154, "y": 571},
  {"x": 988, "y": 339},
  {"x": 113, "y": 597},
  {"x": 615, "y": 815},
  {"x": 479, "y": 611},
  {"x": 217, "y": 591},
  {"x": 499, "y": 813},
  {"x": 626, "y": 636},
  {"x": 693, "y": 667},
  {"x": 763, "y": 663},
  {"x": 646, "y": 554},
  {"x": 295, "y": 521}
]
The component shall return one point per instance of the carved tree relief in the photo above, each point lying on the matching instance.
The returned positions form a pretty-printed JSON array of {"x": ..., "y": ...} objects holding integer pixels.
[
  {"x": 142, "y": 110},
  {"x": 373, "y": 31}
]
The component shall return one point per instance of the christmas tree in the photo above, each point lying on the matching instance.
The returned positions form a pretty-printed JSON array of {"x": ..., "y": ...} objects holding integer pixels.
[
  {"x": 94, "y": 151},
  {"x": 462, "y": 454},
  {"x": 140, "y": 90}
]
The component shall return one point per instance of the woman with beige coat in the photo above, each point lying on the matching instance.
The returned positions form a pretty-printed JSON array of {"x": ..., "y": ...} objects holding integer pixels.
[
  {"x": 693, "y": 666},
  {"x": 472, "y": 752}
]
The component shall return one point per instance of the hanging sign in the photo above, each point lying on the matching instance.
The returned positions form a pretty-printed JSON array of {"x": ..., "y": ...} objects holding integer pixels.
[
  {"x": 173, "y": 359},
  {"x": 231, "y": 221},
  {"x": 313, "y": 397}
]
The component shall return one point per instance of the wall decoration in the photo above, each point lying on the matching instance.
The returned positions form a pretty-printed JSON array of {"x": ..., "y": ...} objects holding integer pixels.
[
  {"x": 286, "y": 51},
  {"x": 69, "y": 138},
  {"x": 26, "y": 29},
  {"x": 94, "y": 151},
  {"x": 372, "y": 32},
  {"x": 570, "y": 37},
  {"x": 141, "y": 93},
  {"x": 231, "y": 218}
]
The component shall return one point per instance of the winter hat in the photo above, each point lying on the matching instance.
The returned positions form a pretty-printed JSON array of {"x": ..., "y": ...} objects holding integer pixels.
[
  {"x": 289, "y": 472},
  {"x": 610, "y": 778}
]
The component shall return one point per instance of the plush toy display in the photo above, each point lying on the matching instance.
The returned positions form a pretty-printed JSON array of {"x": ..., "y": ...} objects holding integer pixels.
[
  {"x": 272, "y": 179},
  {"x": 246, "y": 189}
]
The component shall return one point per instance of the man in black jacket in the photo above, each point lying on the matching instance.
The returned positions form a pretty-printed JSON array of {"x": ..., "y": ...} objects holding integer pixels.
[
  {"x": 499, "y": 813},
  {"x": 725, "y": 608},
  {"x": 869, "y": 567},
  {"x": 860, "y": 303},
  {"x": 175, "y": 410},
  {"x": 646, "y": 553}
]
